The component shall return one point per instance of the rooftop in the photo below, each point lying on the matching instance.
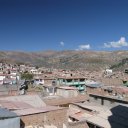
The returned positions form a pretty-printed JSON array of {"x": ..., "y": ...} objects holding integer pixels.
[
  {"x": 31, "y": 111},
  {"x": 106, "y": 117},
  {"x": 14, "y": 105},
  {"x": 33, "y": 100},
  {"x": 62, "y": 101}
]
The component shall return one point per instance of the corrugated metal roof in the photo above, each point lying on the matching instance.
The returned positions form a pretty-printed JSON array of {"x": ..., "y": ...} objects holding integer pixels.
[
  {"x": 12, "y": 105},
  {"x": 31, "y": 111},
  {"x": 33, "y": 100},
  {"x": 93, "y": 84},
  {"x": 99, "y": 121},
  {"x": 62, "y": 101},
  {"x": 81, "y": 116},
  {"x": 115, "y": 117},
  {"x": 92, "y": 107},
  {"x": 73, "y": 111},
  {"x": 4, "y": 113}
]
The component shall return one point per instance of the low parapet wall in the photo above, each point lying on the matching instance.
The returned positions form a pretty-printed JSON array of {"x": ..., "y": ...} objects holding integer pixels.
[
  {"x": 108, "y": 101},
  {"x": 79, "y": 124}
]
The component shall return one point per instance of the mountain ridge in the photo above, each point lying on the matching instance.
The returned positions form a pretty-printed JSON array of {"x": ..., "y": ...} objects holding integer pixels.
[{"x": 89, "y": 60}]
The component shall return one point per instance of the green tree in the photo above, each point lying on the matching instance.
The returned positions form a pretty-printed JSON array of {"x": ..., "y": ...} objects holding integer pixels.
[{"x": 27, "y": 76}]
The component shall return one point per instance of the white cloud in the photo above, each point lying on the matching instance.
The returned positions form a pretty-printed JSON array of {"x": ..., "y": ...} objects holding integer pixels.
[
  {"x": 83, "y": 47},
  {"x": 62, "y": 43},
  {"x": 116, "y": 44}
]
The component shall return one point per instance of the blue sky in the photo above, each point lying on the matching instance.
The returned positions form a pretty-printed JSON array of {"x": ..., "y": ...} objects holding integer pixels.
[{"x": 37, "y": 25}]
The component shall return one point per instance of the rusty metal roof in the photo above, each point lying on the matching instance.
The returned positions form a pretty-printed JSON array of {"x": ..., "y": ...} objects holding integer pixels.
[
  {"x": 81, "y": 116},
  {"x": 109, "y": 117},
  {"x": 62, "y": 101},
  {"x": 14, "y": 105},
  {"x": 33, "y": 100},
  {"x": 31, "y": 111}
]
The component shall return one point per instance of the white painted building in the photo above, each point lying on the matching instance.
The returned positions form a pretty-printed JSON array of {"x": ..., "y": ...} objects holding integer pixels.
[
  {"x": 108, "y": 71},
  {"x": 38, "y": 81},
  {"x": 2, "y": 77}
]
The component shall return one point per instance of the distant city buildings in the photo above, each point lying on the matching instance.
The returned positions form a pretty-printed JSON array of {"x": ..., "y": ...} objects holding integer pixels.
[{"x": 60, "y": 98}]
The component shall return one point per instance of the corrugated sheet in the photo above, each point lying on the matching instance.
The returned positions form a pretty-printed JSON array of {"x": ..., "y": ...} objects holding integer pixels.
[
  {"x": 73, "y": 111},
  {"x": 81, "y": 116},
  {"x": 93, "y": 84},
  {"x": 33, "y": 100},
  {"x": 31, "y": 111},
  {"x": 115, "y": 117},
  {"x": 11, "y": 105},
  {"x": 62, "y": 101},
  {"x": 92, "y": 107}
]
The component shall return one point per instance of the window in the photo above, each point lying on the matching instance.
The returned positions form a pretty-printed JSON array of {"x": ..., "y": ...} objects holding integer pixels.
[
  {"x": 75, "y": 80},
  {"x": 126, "y": 71},
  {"x": 69, "y": 80},
  {"x": 82, "y": 80},
  {"x": 37, "y": 79}
]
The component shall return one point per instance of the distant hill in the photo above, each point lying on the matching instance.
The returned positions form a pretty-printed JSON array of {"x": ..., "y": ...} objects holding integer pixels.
[
  {"x": 121, "y": 65},
  {"x": 88, "y": 60}
]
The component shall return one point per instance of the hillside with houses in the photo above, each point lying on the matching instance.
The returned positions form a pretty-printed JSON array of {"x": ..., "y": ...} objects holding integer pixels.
[{"x": 89, "y": 60}]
